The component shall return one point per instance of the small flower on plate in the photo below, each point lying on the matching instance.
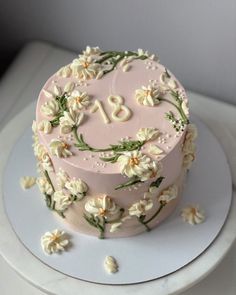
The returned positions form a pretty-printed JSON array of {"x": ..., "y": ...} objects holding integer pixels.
[
  {"x": 27, "y": 182},
  {"x": 193, "y": 214},
  {"x": 55, "y": 241}
]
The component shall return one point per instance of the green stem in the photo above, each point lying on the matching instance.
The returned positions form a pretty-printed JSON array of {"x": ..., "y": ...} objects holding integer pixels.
[
  {"x": 130, "y": 182},
  {"x": 49, "y": 179},
  {"x": 178, "y": 107},
  {"x": 155, "y": 215},
  {"x": 144, "y": 224}
]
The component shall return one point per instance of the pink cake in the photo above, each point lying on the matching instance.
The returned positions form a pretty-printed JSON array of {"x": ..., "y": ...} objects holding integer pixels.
[{"x": 113, "y": 142}]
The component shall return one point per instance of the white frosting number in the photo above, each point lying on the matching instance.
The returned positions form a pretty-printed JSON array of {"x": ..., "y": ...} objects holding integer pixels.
[{"x": 120, "y": 113}]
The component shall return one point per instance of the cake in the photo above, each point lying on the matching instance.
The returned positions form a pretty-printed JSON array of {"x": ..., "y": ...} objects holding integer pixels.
[{"x": 113, "y": 142}]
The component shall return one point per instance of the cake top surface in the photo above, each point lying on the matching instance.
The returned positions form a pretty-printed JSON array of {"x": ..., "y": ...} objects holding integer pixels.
[{"x": 113, "y": 98}]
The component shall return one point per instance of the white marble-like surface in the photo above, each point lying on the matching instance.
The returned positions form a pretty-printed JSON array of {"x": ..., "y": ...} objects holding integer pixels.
[
  {"x": 53, "y": 282},
  {"x": 19, "y": 87}
]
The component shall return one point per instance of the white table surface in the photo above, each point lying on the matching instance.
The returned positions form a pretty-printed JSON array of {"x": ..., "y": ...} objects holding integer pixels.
[{"x": 20, "y": 86}]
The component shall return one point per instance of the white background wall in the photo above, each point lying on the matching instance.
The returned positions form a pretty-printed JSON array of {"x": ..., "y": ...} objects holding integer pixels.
[{"x": 195, "y": 39}]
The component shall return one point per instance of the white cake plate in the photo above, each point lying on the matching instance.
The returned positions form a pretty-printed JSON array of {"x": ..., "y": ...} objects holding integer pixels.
[{"x": 145, "y": 257}]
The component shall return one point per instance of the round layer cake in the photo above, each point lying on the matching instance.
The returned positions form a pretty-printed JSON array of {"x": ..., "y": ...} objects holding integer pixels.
[{"x": 113, "y": 142}]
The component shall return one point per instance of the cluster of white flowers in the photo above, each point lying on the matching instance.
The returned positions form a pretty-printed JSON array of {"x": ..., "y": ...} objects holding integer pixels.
[
  {"x": 146, "y": 134},
  {"x": 135, "y": 163},
  {"x": 76, "y": 187},
  {"x": 103, "y": 207},
  {"x": 168, "y": 194},
  {"x": 55, "y": 241},
  {"x": 60, "y": 149},
  {"x": 62, "y": 200},
  {"x": 44, "y": 186},
  {"x": 69, "y": 120},
  {"x": 193, "y": 214},
  {"x": 148, "y": 96},
  {"x": 40, "y": 152},
  {"x": 189, "y": 148}
]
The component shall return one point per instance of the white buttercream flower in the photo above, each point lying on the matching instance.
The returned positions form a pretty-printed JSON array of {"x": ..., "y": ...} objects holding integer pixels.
[
  {"x": 78, "y": 100},
  {"x": 168, "y": 82},
  {"x": 189, "y": 147},
  {"x": 92, "y": 51},
  {"x": 44, "y": 186},
  {"x": 193, "y": 215},
  {"x": 103, "y": 207},
  {"x": 148, "y": 96},
  {"x": 111, "y": 265},
  {"x": 27, "y": 182},
  {"x": 77, "y": 187},
  {"x": 59, "y": 148},
  {"x": 54, "y": 241},
  {"x": 39, "y": 149},
  {"x": 191, "y": 132},
  {"x": 137, "y": 164},
  {"x": 142, "y": 52},
  {"x": 61, "y": 178},
  {"x": 50, "y": 108},
  {"x": 140, "y": 208},
  {"x": 62, "y": 201},
  {"x": 46, "y": 162},
  {"x": 187, "y": 161},
  {"x": 34, "y": 127},
  {"x": 45, "y": 126},
  {"x": 145, "y": 134},
  {"x": 85, "y": 67},
  {"x": 64, "y": 72},
  {"x": 154, "y": 150},
  {"x": 69, "y": 120},
  {"x": 168, "y": 194},
  {"x": 59, "y": 91}
]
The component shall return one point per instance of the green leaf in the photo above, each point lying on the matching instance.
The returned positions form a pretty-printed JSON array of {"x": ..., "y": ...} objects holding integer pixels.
[
  {"x": 130, "y": 182},
  {"x": 157, "y": 182}
]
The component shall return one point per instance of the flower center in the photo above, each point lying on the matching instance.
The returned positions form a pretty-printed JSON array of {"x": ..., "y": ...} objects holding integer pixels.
[
  {"x": 134, "y": 161},
  {"x": 148, "y": 92},
  {"x": 102, "y": 212},
  {"x": 65, "y": 145},
  {"x": 85, "y": 64},
  {"x": 55, "y": 237},
  {"x": 78, "y": 99},
  {"x": 193, "y": 211}
]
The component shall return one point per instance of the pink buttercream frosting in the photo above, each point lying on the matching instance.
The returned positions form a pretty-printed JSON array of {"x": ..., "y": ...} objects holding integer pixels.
[{"x": 103, "y": 178}]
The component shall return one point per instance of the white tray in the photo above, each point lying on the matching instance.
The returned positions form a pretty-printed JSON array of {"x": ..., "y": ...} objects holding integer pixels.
[{"x": 142, "y": 258}]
